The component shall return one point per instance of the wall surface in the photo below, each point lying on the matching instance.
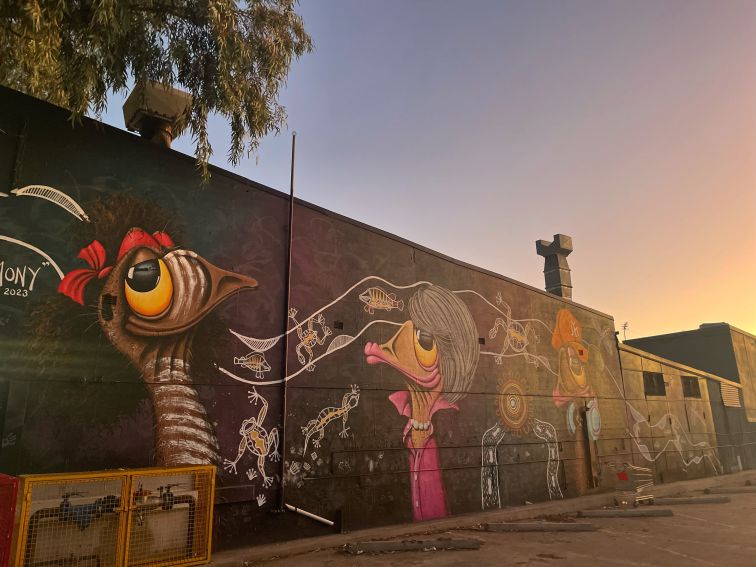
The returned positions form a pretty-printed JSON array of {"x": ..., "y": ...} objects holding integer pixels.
[
  {"x": 144, "y": 321},
  {"x": 674, "y": 432}
]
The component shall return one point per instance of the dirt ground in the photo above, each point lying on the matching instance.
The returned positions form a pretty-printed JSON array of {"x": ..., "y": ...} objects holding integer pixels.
[{"x": 701, "y": 534}]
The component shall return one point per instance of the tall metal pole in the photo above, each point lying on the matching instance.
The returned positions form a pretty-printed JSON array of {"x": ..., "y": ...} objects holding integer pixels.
[{"x": 287, "y": 279}]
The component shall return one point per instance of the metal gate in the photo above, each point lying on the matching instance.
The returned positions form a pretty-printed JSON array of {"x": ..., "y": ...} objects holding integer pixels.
[{"x": 144, "y": 517}]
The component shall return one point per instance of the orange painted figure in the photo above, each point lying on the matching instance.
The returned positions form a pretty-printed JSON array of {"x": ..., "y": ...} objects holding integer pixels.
[{"x": 572, "y": 380}]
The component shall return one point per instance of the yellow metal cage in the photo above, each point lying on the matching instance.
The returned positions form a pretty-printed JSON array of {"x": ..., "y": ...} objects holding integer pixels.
[{"x": 140, "y": 517}]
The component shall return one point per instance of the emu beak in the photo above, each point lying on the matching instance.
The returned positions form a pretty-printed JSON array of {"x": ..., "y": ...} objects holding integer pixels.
[{"x": 224, "y": 284}]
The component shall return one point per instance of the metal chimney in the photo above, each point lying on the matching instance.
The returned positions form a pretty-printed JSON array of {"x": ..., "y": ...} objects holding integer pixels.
[
  {"x": 156, "y": 112},
  {"x": 556, "y": 271}
]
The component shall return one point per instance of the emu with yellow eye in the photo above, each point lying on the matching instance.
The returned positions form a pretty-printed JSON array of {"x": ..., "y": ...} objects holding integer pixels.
[
  {"x": 149, "y": 306},
  {"x": 436, "y": 351}
]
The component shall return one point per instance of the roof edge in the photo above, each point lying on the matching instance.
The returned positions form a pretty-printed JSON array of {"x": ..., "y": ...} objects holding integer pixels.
[{"x": 656, "y": 358}]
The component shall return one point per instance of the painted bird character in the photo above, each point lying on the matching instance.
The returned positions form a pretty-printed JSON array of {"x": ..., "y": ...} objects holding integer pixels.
[
  {"x": 257, "y": 440},
  {"x": 254, "y": 361},
  {"x": 572, "y": 383},
  {"x": 153, "y": 297},
  {"x": 377, "y": 298},
  {"x": 327, "y": 415},
  {"x": 436, "y": 351}
]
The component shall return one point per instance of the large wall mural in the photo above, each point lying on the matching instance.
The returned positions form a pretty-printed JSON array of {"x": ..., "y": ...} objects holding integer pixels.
[
  {"x": 413, "y": 387},
  {"x": 534, "y": 379}
]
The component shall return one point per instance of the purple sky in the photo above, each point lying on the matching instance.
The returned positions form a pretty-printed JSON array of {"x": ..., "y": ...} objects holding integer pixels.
[{"x": 476, "y": 128}]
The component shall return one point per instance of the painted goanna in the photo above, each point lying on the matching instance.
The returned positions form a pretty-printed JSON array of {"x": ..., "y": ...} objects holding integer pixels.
[{"x": 327, "y": 415}]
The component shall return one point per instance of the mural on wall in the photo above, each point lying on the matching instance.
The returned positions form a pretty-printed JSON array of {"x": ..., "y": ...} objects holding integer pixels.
[
  {"x": 149, "y": 297},
  {"x": 153, "y": 296},
  {"x": 55, "y": 196},
  {"x": 309, "y": 337},
  {"x": 517, "y": 336},
  {"x": 399, "y": 376},
  {"x": 257, "y": 440},
  {"x": 318, "y": 425},
  {"x": 436, "y": 353},
  {"x": 670, "y": 425},
  {"x": 378, "y": 298},
  {"x": 572, "y": 383},
  {"x": 18, "y": 280},
  {"x": 544, "y": 430},
  {"x": 436, "y": 350},
  {"x": 254, "y": 361}
]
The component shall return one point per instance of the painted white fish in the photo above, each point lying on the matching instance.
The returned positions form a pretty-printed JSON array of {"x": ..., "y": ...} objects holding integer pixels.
[
  {"x": 254, "y": 361},
  {"x": 377, "y": 298},
  {"x": 54, "y": 196}
]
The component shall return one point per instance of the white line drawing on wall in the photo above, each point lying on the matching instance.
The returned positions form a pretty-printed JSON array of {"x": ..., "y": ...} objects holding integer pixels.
[
  {"x": 338, "y": 342},
  {"x": 261, "y": 345},
  {"x": 4, "y": 194},
  {"x": 517, "y": 337},
  {"x": 544, "y": 430},
  {"x": 342, "y": 341},
  {"x": 489, "y": 471},
  {"x": 254, "y": 361},
  {"x": 257, "y": 345},
  {"x": 309, "y": 337},
  {"x": 256, "y": 440},
  {"x": 681, "y": 439},
  {"x": 260, "y": 500},
  {"x": 349, "y": 401},
  {"x": 515, "y": 418},
  {"x": 251, "y": 474},
  {"x": 378, "y": 298},
  {"x": 315, "y": 360},
  {"x": 55, "y": 196},
  {"x": 34, "y": 249},
  {"x": 677, "y": 429}
]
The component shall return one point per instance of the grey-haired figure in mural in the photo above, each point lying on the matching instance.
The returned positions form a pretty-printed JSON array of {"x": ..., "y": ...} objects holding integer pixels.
[{"x": 437, "y": 352}]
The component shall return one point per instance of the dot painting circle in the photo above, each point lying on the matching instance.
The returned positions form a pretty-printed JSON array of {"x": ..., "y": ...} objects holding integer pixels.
[{"x": 513, "y": 407}]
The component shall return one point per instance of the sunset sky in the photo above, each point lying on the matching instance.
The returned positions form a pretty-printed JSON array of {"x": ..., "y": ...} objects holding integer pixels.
[{"x": 475, "y": 128}]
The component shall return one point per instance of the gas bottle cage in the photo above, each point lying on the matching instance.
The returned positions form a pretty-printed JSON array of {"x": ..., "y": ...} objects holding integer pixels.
[
  {"x": 145, "y": 517},
  {"x": 633, "y": 484}
]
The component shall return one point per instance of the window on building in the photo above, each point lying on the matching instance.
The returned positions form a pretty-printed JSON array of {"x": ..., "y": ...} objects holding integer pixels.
[
  {"x": 691, "y": 388},
  {"x": 653, "y": 384}
]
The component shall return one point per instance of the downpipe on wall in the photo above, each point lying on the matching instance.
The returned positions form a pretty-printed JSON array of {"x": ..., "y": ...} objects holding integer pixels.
[{"x": 287, "y": 306}]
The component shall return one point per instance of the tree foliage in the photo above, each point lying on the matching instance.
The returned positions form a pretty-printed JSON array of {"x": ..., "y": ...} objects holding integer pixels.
[{"x": 232, "y": 57}]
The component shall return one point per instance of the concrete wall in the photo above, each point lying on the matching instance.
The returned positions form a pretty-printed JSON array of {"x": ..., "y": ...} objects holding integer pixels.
[
  {"x": 730, "y": 353},
  {"x": 674, "y": 432},
  {"x": 414, "y": 386}
]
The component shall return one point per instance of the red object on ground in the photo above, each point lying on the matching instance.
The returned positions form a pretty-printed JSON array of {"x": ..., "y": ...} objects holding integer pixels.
[
  {"x": 8, "y": 494},
  {"x": 622, "y": 476}
]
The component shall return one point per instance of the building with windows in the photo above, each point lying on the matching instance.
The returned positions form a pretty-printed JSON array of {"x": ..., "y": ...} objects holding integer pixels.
[{"x": 728, "y": 355}]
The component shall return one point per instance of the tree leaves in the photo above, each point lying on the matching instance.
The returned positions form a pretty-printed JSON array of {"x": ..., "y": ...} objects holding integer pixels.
[{"x": 233, "y": 57}]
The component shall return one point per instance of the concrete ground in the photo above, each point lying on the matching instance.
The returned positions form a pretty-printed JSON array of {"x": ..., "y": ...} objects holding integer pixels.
[{"x": 697, "y": 534}]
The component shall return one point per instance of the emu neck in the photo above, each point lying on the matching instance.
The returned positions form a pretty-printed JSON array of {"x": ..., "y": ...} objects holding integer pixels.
[{"x": 183, "y": 433}]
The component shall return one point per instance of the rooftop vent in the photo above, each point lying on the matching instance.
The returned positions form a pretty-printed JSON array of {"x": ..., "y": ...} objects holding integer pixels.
[{"x": 556, "y": 271}]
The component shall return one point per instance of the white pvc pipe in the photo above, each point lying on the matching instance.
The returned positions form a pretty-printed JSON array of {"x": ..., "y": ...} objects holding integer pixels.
[{"x": 309, "y": 515}]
